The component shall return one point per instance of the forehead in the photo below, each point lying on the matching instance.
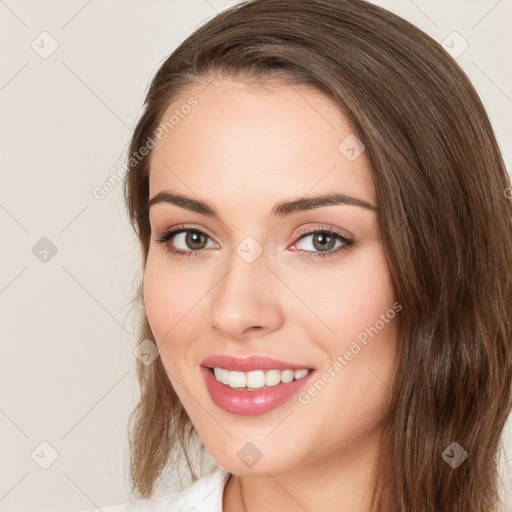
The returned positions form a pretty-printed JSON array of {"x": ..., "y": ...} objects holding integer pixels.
[{"x": 242, "y": 142}]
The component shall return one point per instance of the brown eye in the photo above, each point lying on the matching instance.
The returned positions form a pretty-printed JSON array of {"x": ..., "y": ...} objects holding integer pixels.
[
  {"x": 323, "y": 243},
  {"x": 192, "y": 241}
]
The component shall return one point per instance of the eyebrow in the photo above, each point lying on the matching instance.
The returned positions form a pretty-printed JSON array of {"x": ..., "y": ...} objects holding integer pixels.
[{"x": 281, "y": 209}]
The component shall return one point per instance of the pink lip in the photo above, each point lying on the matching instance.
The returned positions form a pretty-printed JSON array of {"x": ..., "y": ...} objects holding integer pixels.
[
  {"x": 251, "y": 403},
  {"x": 248, "y": 364}
]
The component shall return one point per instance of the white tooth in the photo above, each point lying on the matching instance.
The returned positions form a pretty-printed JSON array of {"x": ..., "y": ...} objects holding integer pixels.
[
  {"x": 256, "y": 379},
  {"x": 272, "y": 377},
  {"x": 300, "y": 373},
  {"x": 287, "y": 376},
  {"x": 237, "y": 379}
]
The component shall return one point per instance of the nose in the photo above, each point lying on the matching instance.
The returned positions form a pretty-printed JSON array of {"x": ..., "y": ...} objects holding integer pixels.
[{"x": 245, "y": 302}]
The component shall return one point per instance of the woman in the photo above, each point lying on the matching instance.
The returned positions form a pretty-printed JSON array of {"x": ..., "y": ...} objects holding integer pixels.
[{"x": 326, "y": 239}]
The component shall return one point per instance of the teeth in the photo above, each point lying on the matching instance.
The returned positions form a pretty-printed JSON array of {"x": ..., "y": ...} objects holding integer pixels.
[
  {"x": 257, "y": 379},
  {"x": 237, "y": 379},
  {"x": 272, "y": 377}
]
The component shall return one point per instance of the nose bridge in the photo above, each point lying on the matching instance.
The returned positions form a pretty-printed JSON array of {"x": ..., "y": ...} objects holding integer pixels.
[{"x": 243, "y": 298}]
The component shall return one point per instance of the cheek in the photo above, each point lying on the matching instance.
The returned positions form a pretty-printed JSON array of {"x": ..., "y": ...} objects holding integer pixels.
[
  {"x": 172, "y": 300},
  {"x": 163, "y": 294},
  {"x": 364, "y": 321},
  {"x": 156, "y": 298},
  {"x": 349, "y": 298},
  {"x": 354, "y": 322}
]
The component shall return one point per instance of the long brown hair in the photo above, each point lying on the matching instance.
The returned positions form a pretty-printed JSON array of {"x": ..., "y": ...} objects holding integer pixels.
[{"x": 446, "y": 226}]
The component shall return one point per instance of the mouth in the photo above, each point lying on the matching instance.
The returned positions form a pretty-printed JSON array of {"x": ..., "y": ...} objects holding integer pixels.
[{"x": 253, "y": 385}]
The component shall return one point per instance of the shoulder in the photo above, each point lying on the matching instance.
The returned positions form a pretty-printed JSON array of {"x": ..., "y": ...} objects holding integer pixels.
[{"x": 204, "y": 495}]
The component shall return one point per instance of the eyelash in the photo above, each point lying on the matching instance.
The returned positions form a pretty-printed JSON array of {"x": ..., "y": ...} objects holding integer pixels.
[{"x": 165, "y": 237}]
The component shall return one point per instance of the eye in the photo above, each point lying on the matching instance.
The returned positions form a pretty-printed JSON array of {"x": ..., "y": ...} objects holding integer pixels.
[
  {"x": 186, "y": 235},
  {"x": 323, "y": 240}
]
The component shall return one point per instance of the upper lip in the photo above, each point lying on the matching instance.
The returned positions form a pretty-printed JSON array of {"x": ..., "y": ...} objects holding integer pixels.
[{"x": 251, "y": 363}]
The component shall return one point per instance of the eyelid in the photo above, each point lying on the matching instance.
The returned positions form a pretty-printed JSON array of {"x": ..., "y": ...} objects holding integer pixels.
[
  {"x": 185, "y": 227},
  {"x": 323, "y": 227}
]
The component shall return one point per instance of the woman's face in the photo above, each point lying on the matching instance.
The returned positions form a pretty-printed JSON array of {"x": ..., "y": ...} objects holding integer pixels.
[{"x": 258, "y": 284}]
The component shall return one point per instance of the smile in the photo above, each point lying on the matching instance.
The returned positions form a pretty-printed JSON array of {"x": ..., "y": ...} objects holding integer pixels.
[{"x": 254, "y": 384}]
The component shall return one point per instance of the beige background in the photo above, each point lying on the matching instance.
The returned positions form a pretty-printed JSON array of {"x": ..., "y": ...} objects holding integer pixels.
[{"x": 67, "y": 372}]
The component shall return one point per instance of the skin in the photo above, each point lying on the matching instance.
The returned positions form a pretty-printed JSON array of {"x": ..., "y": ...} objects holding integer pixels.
[{"x": 244, "y": 148}]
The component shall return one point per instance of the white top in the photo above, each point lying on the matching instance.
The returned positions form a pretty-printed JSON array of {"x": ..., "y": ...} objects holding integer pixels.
[{"x": 204, "y": 495}]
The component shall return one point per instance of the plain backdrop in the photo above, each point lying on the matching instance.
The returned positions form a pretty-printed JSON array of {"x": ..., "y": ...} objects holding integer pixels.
[{"x": 72, "y": 83}]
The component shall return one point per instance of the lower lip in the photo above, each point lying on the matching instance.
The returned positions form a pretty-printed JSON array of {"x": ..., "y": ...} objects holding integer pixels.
[{"x": 251, "y": 403}]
